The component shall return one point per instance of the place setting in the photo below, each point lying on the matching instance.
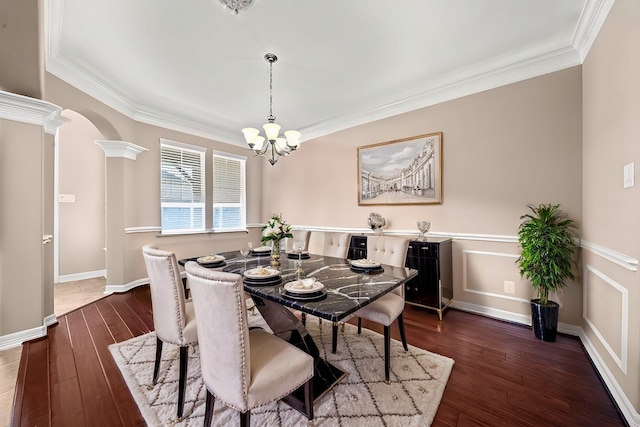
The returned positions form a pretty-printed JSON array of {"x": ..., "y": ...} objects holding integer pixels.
[
  {"x": 308, "y": 289},
  {"x": 368, "y": 266},
  {"x": 262, "y": 276},
  {"x": 212, "y": 261},
  {"x": 261, "y": 251}
]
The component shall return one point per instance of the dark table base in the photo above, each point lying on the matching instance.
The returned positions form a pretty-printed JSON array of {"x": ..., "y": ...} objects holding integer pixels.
[{"x": 288, "y": 327}]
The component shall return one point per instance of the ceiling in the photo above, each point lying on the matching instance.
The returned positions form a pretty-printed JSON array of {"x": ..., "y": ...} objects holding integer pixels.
[{"x": 197, "y": 67}]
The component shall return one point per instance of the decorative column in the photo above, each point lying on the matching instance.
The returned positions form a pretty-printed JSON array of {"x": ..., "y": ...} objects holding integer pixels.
[
  {"x": 27, "y": 137},
  {"x": 118, "y": 169}
]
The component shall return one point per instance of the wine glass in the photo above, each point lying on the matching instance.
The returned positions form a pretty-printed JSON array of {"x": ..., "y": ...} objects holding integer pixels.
[{"x": 244, "y": 251}]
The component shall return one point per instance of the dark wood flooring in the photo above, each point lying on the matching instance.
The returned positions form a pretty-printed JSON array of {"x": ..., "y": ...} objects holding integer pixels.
[{"x": 502, "y": 375}]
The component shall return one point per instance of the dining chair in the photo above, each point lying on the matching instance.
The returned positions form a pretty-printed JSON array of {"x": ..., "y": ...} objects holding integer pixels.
[
  {"x": 241, "y": 367},
  {"x": 174, "y": 319},
  {"x": 391, "y": 251},
  {"x": 302, "y": 235},
  {"x": 336, "y": 244}
]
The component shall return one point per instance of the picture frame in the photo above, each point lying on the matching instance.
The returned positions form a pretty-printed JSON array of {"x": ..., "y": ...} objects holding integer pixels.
[{"x": 401, "y": 172}]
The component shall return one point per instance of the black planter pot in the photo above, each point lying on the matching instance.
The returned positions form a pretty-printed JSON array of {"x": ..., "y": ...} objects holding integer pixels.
[{"x": 544, "y": 320}]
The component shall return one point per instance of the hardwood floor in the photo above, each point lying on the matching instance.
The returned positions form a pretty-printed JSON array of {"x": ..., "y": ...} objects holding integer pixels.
[{"x": 502, "y": 374}]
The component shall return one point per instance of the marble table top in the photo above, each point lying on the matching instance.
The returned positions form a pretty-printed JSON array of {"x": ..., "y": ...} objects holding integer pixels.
[{"x": 346, "y": 290}]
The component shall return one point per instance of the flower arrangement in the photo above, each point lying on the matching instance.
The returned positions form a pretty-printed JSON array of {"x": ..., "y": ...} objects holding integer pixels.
[{"x": 276, "y": 229}]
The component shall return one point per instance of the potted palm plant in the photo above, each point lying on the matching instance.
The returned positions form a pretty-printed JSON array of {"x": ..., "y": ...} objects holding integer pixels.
[{"x": 547, "y": 239}]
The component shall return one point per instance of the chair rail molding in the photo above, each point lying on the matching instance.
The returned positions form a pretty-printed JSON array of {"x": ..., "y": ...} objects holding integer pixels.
[{"x": 622, "y": 260}]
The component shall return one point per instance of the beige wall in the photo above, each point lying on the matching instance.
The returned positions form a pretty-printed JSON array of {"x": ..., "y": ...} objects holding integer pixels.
[
  {"x": 560, "y": 138},
  {"x": 502, "y": 149},
  {"x": 611, "y": 94},
  {"x": 26, "y": 265}
]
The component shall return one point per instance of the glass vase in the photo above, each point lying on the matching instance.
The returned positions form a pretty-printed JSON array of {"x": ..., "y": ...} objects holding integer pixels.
[{"x": 275, "y": 254}]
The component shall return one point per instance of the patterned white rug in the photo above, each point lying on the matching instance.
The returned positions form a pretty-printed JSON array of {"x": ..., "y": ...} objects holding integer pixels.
[{"x": 418, "y": 379}]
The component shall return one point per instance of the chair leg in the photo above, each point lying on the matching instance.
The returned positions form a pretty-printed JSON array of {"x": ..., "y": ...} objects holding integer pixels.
[
  {"x": 334, "y": 337},
  {"x": 245, "y": 419},
  {"x": 303, "y": 318},
  {"x": 156, "y": 365},
  {"x": 182, "y": 379},
  {"x": 359, "y": 325},
  {"x": 308, "y": 398},
  {"x": 403, "y": 336},
  {"x": 387, "y": 352},
  {"x": 208, "y": 409}
]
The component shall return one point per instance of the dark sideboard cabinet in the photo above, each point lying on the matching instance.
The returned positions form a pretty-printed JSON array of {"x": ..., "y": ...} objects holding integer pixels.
[{"x": 433, "y": 287}]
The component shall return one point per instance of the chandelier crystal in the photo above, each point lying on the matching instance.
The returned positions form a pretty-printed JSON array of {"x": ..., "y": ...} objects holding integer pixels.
[
  {"x": 273, "y": 146},
  {"x": 236, "y": 5}
]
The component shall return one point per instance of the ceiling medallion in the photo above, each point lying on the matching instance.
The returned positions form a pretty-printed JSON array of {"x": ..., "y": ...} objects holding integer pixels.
[{"x": 236, "y": 5}]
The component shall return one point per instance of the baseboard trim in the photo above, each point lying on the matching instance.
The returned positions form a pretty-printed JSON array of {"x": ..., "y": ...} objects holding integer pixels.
[
  {"x": 82, "y": 276},
  {"x": 17, "y": 338},
  {"x": 110, "y": 289}
]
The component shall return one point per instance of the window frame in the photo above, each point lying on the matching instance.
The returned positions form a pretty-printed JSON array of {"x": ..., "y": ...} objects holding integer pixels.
[
  {"x": 201, "y": 152},
  {"x": 242, "y": 160}
]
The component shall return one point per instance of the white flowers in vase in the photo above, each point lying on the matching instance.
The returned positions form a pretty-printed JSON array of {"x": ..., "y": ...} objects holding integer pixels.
[{"x": 276, "y": 230}]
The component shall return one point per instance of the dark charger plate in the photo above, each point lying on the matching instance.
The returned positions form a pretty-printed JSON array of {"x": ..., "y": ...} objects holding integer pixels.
[
  {"x": 260, "y": 253},
  {"x": 311, "y": 296},
  {"x": 293, "y": 255},
  {"x": 262, "y": 282},
  {"x": 213, "y": 264},
  {"x": 375, "y": 270}
]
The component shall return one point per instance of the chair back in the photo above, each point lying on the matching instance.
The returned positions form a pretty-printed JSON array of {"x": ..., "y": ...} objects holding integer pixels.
[
  {"x": 388, "y": 250},
  {"x": 223, "y": 335},
  {"x": 336, "y": 244},
  {"x": 302, "y": 235},
  {"x": 167, "y": 294}
]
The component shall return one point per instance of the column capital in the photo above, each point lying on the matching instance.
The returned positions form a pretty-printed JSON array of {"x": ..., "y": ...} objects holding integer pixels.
[{"x": 124, "y": 149}]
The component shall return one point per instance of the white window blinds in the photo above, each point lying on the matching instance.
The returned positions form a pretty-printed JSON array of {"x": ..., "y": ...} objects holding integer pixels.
[
  {"x": 229, "y": 192},
  {"x": 182, "y": 186}
]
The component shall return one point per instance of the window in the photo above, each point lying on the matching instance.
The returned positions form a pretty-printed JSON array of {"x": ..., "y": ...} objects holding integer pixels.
[
  {"x": 182, "y": 186},
  {"x": 229, "y": 196}
]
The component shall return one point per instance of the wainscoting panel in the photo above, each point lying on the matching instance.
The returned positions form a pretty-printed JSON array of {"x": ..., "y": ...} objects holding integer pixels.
[
  {"x": 606, "y": 311},
  {"x": 484, "y": 273}
]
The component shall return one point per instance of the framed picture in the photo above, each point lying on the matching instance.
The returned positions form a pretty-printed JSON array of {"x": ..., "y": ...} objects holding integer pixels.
[{"x": 401, "y": 172}]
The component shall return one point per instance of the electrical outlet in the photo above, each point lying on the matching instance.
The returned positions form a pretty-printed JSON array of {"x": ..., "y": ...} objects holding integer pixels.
[{"x": 509, "y": 287}]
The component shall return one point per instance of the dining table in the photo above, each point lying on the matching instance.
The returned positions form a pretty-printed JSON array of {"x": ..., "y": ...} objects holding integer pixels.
[{"x": 345, "y": 287}]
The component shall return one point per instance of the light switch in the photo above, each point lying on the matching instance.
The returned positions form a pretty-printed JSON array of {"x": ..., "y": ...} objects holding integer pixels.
[
  {"x": 67, "y": 198},
  {"x": 629, "y": 172}
]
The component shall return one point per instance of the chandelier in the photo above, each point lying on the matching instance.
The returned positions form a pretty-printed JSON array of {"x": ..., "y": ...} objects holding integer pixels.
[
  {"x": 274, "y": 146},
  {"x": 236, "y": 5}
]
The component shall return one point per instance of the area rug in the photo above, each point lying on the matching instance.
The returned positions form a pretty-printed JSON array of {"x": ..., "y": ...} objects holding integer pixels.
[{"x": 362, "y": 398}]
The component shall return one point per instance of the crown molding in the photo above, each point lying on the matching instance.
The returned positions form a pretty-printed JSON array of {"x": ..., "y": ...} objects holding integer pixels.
[
  {"x": 480, "y": 77},
  {"x": 32, "y": 111}
]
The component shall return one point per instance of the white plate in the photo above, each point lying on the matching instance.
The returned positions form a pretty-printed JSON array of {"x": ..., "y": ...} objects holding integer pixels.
[
  {"x": 262, "y": 249},
  {"x": 210, "y": 259},
  {"x": 304, "y": 286},
  {"x": 261, "y": 273},
  {"x": 365, "y": 263}
]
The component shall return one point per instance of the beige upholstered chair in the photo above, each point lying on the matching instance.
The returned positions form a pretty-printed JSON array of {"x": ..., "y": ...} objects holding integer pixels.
[
  {"x": 173, "y": 317},
  {"x": 302, "y": 235},
  {"x": 391, "y": 251},
  {"x": 242, "y": 368},
  {"x": 336, "y": 244}
]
